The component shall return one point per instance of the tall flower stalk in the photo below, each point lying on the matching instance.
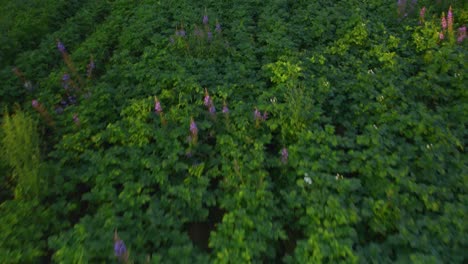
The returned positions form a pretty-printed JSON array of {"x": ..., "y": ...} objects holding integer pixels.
[
  {"x": 205, "y": 19},
  {"x": 68, "y": 84},
  {"x": 225, "y": 108},
  {"x": 120, "y": 250},
  {"x": 441, "y": 36},
  {"x": 422, "y": 14},
  {"x": 68, "y": 61},
  {"x": 208, "y": 102},
  {"x": 258, "y": 117},
  {"x": 443, "y": 22},
  {"x": 225, "y": 112},
  {"x": 76, "y": 119},
  {"x": 450, "y": 20},
  {"x": 401, "y": 8},
  {"x": 461, "y": 34},
  {"x": 218, "y": 27},
  {"x": 43, "y": 112},
  {"x": 446, "y": 24},
  {"x": 193, "y": 131},
  {"x": 158, "y": 109},
  {"x": 26, "y": 84},
  {"x": 284, "y": 155},
  {"x": 90, "y": 67}
]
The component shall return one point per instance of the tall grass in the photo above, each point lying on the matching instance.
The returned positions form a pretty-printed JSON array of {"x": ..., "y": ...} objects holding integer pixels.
[{"x": 20, "y": 149}]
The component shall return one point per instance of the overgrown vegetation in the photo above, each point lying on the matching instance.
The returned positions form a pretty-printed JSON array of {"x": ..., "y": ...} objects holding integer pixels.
[
  {"x": 275, "y": 131},
  {"x": 21, "y": 152}
]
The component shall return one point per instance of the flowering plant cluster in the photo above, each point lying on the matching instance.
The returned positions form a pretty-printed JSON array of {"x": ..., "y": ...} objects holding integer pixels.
[
  {"x": 446, "y": 26},
  {"x": 202, "y": 39},
  {"x": 295, "y": 132}
]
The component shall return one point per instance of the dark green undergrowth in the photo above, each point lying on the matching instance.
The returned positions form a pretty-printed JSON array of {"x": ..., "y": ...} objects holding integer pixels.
[{"x": 325, "y": 132}]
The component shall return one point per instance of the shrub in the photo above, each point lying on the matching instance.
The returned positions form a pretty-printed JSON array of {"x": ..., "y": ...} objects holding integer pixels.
[{"x": 21, "y": 151}]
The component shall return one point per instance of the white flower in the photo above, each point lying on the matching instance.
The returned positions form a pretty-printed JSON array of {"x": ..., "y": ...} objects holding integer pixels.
[
  {"x": 338, "y": 176},
  {"x": 307, "y": 179}
]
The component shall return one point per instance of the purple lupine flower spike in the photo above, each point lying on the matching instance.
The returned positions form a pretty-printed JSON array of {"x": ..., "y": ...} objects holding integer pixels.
[
  {"x": 401, "y": 7},
  {"x": 225, "y": 108},
  {"x": 422, "y": 13},
  {"x": 91, "y": 66},
  {"x": 218, "y": 27},
  {"x": 209, "y": 35},
  {"x": 257, "y": 114},
  {"x": 66, "y": 77},
  {"x": 119, "y": 248},
  {"x": 208, "y": 102},
  {"x": 205, "y": 19},
  {"x": 76, "y": 119},
  {"x": 461, "y": 34},
  {"x": 450, "y": 19},
  {"x": 193, "y": 127},
  {"x": 284, "y": 155},
  {"x": 61, "y": 47},
  {"x": 158, "y": 109},
  {"x": 443, "y": 22},
  {"x": 66, "y": 81},
  {"x": 441, "y": 35},
  {"x": 42, "y": 111},
  {"x": 197, "y": 32},
  {"x": 59, "y": 110},
  {"x": 193, "y": 137},
  {"x": 212, "y": 109},
  {"x": 265, "y": 116},
  {"x": 72, "y": 99},
  {"x": 207, "y": 98},
  {"x": 157, "y": 106}
]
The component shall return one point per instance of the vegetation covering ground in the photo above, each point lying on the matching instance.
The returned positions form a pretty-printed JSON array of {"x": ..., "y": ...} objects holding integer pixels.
[{"x": 233, "y": 131}]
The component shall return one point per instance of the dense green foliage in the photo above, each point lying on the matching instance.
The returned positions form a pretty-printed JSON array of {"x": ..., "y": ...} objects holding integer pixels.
[
  {"x": 21, "y": 151},
  {"x": 334, "y": 131}
]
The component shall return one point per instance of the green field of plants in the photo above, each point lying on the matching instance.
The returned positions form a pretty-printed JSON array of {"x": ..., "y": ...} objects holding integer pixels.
[{"x": 275, "y": 131}]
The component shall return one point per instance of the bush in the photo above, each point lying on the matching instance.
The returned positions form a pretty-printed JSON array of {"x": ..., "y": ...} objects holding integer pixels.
[
  {"x": 275, "y": 131},
  {"x": 21, "y": 151}
]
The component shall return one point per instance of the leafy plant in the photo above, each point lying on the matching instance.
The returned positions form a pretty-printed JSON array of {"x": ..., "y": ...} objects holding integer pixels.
[
  {"x": 275, "y": 131},
  {"x": 21, "y": 152}
]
